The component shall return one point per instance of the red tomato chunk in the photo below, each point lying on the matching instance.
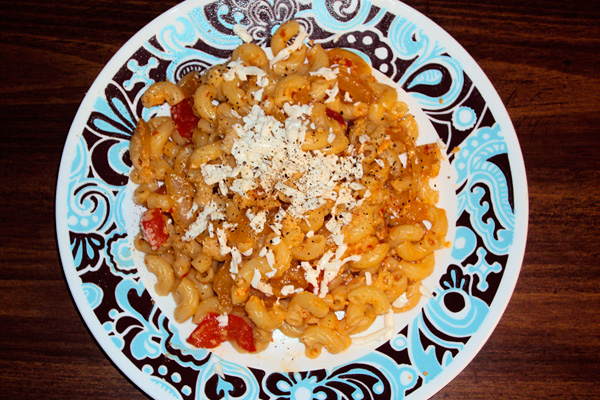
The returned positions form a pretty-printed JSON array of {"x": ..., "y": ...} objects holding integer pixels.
[
  {"x": 184, "y": 118},
  {"x": 154, "y": 228},
  {"x": 336, "y": 116},
  {"x": 208, "y": 334}
]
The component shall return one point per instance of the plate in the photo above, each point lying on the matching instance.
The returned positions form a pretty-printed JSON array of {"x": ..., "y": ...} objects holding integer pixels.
[{"x": 484, "y": 177}]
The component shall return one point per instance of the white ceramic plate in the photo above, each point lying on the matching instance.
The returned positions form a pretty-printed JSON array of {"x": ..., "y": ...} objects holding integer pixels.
[{"x": 483, "y": 186}]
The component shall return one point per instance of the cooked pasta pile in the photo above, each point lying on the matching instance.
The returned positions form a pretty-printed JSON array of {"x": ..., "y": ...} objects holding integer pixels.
[{"x": 288, "y": 193}]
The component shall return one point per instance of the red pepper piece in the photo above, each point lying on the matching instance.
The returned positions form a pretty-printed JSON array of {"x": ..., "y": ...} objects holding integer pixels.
[
  {"x": 336, "y": 116},
  {"x": 154, "y": 228},
  {"x": 184, "y": 117},
  {"x": 208, "y": 334}
]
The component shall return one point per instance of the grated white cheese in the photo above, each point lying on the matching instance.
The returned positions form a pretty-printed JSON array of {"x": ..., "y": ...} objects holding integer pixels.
[
  {"x": 312, "y": 275},
  {"x": 338, "y": 239},
  {"x": 279, "y": 216},
  {"x": 218, "y": 368},
  {"x": 331, "y": 94},
  {"x": 265, "y": 288},
  {"x": 267, "y": 150},
  {"x": 355, "y": 186},
  {"x": 209, "y": 213},
  {"x": 387, "y": 332},
  {"x": 259, "y": 285},
  {"x": 257, "y": 221},
  {"x": 255, "y": 278},
  {"x": 403, "y": 159},
  {"x": 191, "y": 211},
  {"x": 242, "y": 33},
  {"x": 297, "y": 111},
  {"x": 229, "y": 226},
  {"x": 373, "y": 338},
  {"x": 236, "y": 260},
  {"x": 223, "y": 320},
  {"x": 222, "y": 238},
  {"x": 271, "y": 273},
  {"x": 262, "y": 82},
  {"x": 237, "y": 69},
  {"x": 214, "y": 173},
  {"x": 258, "y": 94},
  {"x": 388, "y": 321},
  {"x": 341, "y": 250},
  {"x": 270, "y": 258},
  {"x": 368, "y": 278},
  {"x": 276, "y": 228},
  {"x": 330, "y": 137},
  {"x": 331, "y": 264},
  {"x": 223, "y": 188},
  {"x": 289, "y": 289},
  {"x": 285, "y": 53},
  {"x": 401, "y": 301},
  {"x": 327, "y": 73}
]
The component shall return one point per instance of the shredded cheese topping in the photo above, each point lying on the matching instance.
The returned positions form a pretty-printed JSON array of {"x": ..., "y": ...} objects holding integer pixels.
[
  {"x": 242, "y": 33},
  {"x": 386, "y": 332},
  {"x": 285, "y": 53},
  {"x": 268, "y": 154}
]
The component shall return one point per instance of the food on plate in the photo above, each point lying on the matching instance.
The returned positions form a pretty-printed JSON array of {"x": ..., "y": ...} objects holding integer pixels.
[{"x": 285, "y": 192}]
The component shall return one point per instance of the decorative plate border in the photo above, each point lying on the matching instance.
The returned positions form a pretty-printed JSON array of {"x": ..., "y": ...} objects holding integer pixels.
[{"x": 401, "y": 43}]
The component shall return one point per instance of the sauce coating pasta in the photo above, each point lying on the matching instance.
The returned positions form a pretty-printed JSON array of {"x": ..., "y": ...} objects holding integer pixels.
[{"x": 286, "y": 191}]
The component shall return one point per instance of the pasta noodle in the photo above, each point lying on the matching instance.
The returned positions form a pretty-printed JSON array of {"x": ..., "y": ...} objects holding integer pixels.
[{"x": 286, "y": 191}]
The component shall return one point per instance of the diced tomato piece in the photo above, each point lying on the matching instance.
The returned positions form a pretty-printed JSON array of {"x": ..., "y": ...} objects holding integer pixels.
[
  {"x": 161, "y": 189},
  {"x": 336, "y": 116},
  {"x": 184, "y": 117},
  {"x": 154, "y": 228},
  {"x": 239, "y": 330},
  {"x": 208, "y": 334}
]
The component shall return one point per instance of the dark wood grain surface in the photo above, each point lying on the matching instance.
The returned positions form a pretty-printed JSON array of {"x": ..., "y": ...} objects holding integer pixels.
[{"x": 543, "y": 57}]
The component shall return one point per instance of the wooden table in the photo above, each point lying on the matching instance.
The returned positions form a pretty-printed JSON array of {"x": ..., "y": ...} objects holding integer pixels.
[{"x": 544, "y": 60}]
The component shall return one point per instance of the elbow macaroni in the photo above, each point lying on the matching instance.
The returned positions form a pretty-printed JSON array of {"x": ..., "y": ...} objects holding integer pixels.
[{"x": 272, "y": 242}]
